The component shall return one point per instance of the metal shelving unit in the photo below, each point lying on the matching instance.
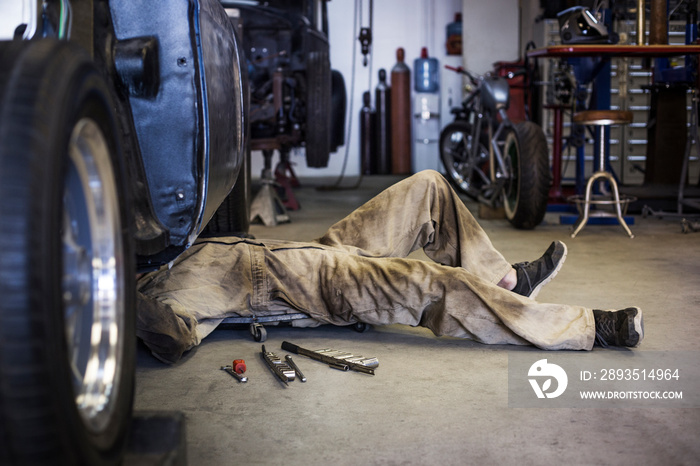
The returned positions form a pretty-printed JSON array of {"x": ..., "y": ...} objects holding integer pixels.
[{"x": 628, "y": 79}]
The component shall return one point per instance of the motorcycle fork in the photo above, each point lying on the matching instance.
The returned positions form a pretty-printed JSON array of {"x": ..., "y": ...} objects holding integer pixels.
[
  {"x": 476, "y": 133},
  {"x": 500, "y": 170}
]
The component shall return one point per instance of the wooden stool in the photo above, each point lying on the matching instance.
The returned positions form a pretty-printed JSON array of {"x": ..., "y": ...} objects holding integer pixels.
[{"x": 602, "y": 118}]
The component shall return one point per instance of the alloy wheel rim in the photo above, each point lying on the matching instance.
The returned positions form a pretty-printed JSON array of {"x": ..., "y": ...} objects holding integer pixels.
[{"x": 93, "y": 275}]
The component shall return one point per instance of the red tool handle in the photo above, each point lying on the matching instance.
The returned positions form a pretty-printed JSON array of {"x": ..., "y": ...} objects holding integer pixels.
[{"x": 238, "y": 366}]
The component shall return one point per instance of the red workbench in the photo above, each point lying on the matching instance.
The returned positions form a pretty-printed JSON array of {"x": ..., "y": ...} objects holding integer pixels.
[{"x": 607, "y": 50}]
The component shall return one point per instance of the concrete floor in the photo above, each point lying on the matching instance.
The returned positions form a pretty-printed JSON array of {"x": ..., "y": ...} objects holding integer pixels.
[{"x": 440, "y": 400}]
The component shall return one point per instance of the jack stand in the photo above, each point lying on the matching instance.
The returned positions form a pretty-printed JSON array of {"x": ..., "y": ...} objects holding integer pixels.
[
  {"x": 287, "y": 182},
  {"x": 267, "y": 206}
]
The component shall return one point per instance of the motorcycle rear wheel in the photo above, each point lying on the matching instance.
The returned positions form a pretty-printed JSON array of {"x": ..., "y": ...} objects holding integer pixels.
[{"x": 525, "y": 193}]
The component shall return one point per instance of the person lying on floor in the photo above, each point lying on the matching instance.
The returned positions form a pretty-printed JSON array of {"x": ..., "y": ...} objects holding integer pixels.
[{"x": 358, "y": 272}]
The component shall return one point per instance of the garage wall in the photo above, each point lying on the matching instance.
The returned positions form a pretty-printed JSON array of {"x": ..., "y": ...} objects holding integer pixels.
[
  {"x": 490, "y": 33},
  {"x": 410, "y": 24}
]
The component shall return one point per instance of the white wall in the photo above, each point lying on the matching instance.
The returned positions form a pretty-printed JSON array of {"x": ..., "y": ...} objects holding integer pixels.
[{"x": 490, "y": 34}]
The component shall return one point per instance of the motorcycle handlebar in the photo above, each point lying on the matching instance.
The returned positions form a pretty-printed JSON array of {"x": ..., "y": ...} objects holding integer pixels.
[
  {"x": 461, "y": 70},
  {"x": 513, "y": 74}
]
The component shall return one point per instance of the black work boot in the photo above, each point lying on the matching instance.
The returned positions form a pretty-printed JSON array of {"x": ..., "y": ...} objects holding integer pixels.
[
  {"x": 532, "y": 276},
  {"x": 619, "y": 328}
]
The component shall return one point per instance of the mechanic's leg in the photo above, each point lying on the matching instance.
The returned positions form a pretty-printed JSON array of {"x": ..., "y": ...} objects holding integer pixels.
[
  {"x": 348, "y": 288},
  {"x": 178, "y": 306},
  {"x": 422, "y": 211}
]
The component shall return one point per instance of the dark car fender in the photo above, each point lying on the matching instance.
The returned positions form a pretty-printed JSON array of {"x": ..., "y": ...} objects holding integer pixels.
[{"x": 187, "y": 106}]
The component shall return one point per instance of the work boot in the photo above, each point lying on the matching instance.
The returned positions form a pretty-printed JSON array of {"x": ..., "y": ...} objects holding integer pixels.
[
  {"x": 532, "y": 276},
  {"x": 619, "y": 328}
]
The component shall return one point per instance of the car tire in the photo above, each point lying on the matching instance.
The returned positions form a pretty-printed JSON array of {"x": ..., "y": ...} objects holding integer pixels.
[
  {"x": 318, "y": 109},
  {"x": 232, "y": 218},
  {"x": 67, "y": 330}
]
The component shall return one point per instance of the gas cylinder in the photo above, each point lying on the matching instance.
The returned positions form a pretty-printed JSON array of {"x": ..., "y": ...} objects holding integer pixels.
[
  {"x": 400, "y": 116},
  {"x": 367, "y": 138},
  {"x": 382, "y": 129}
]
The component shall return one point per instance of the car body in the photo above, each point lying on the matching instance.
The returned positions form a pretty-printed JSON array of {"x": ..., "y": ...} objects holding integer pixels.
[{"x": 296, "y": 98}]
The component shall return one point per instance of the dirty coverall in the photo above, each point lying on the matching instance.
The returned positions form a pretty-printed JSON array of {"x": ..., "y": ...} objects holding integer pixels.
[{"x": 358, "y": 272}]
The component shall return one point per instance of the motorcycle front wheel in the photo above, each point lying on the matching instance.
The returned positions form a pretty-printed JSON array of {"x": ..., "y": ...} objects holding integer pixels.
[
  {"x": 466, "y": 171},
  {"x": 526, "y": 191}
]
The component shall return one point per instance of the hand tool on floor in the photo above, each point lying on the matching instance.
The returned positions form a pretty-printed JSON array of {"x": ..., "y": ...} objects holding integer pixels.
[
  {"x": 282, "y": 370},
  {"x": 336, "y": 359},
  {"x": 236, "y": 370},
  {"x": 293, "y": 365},
  {"x": 688, "y": 226}
]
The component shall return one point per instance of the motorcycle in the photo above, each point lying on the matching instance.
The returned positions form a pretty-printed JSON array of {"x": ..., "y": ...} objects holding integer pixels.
[{"x": 493, "y": 160}]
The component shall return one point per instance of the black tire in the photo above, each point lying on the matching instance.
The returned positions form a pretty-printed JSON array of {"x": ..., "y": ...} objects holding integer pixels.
[
  {"x": 338, "y": 110},
  {"x": 232, "y": 218},
  {"x": 361, "y": 327},
  {"x": 59, "y": 157},
  {"x": 525, "y": 195},
  {"x": 467, "y": 173},
  {"x": 318, "y": 109}
]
